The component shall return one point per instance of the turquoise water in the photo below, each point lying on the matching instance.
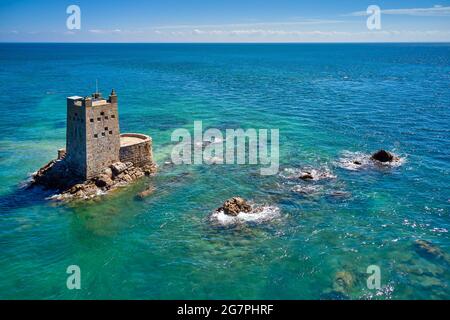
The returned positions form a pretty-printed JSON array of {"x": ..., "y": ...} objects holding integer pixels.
[{"x": 328, "y": 101}]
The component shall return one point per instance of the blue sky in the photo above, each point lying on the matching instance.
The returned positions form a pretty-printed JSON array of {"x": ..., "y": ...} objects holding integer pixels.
[{"x": 224, "y": 21}]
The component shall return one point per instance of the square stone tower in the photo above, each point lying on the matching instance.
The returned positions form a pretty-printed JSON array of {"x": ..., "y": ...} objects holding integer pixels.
[{"x": 93, "y": 135}]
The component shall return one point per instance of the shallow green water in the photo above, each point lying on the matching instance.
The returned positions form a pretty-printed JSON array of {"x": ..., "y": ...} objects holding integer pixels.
[{"x": 326, "y": 100}]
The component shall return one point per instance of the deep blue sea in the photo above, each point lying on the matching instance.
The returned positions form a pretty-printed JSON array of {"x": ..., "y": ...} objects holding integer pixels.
[{"x": 331, "y": 103}]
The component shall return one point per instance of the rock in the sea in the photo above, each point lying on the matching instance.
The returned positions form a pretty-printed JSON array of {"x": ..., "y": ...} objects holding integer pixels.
[
  {"x": 118, "y": 167},
  {"x": 383, "y": 156},
  {"x": 141, "y": 195},
  {"x": 343, "y": 282},
  {"x": 56, "y": 175},
  {"x": 234, "y": 206},
  {"x": 103, "y": 181},
  {"x": 306, "y": 176},
  {"x": 428, "y": 250}
]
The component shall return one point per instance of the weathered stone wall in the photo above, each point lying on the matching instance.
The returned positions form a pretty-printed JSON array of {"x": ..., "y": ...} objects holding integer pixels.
[
  {"x": 76, "y": 136},
  {"x": 93, "y": 135},
  {"x": 102, "y": 137},
  {"x": 140, "y": 153}
]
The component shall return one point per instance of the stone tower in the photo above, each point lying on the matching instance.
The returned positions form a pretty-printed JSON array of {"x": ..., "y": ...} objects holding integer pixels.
[{"x": 93, "y": 135}]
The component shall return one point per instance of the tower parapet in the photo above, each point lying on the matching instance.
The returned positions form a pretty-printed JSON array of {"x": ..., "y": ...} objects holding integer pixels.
[{"x": 93, "y": 134}]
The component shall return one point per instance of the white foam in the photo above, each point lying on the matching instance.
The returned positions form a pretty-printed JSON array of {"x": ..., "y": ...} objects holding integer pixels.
[
  {"x": 359, "y": 161},
  {"x": 257, "y": 215},
  {"x": 307, "y": 190},
  {"x": 317, "y": 174}
]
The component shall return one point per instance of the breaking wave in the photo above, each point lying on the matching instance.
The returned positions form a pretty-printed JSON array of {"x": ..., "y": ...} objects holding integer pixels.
[
  {"x": 359, "y": 161},
  {"x": 315, "y": 174},
  {"x": 257, "y": 215}
]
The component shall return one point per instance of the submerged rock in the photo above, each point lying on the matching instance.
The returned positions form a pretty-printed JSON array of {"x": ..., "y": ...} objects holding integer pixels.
[
  {"x": 334, "y": 295},
  {"x": 383, "y": 156},
  {"x": 343, "y": 282},
  {"x": 428, "y": 250},
  {"x": 143, "y": 194},
  {"x": 234, "y": 206}
]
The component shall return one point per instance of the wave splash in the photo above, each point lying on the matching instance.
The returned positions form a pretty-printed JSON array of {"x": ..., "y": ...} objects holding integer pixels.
[
  {"x": 355, "y": 161},
  {"x": 258, "y": 214}
]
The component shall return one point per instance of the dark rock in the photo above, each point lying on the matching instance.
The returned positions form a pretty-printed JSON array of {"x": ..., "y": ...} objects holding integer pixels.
[
  {"x": 234, "y": 206},
  {"x": 382, "y": 156},
  {"x": 149, "y": 169},
  {"x": 306, "y": 176},
  {"x": 103, "y": 181},
  {"x": 357, "y": 162},
  {"x": 428, "y": 250}
]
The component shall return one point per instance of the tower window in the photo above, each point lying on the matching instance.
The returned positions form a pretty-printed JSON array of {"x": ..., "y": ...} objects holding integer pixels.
[
  {"x": 102, "y": 113},
  {"x": 106, "y": 128},
  {"x": 95, "y": 135},
  {"x": 110, "y": 132},
  {"x": 92, "y": 120},
  {"x": 98, "y": 119},
  {"x": 106, "y": 117},
  {"x": 113, "y": 116},
  {"x": 103, "y": 134}
]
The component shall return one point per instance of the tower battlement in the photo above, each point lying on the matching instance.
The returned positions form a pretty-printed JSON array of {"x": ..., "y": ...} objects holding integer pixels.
[{"x": 93, "y": 134}]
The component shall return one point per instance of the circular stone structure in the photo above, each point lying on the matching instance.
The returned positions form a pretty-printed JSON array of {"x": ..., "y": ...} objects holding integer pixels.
[{"x": 137, "y": 148}]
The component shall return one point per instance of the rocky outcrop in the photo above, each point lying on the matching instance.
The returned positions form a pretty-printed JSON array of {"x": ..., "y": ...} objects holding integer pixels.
[
  {"x": 234, "y": 206},
  {"x": 55, "y": 175},
  {"x": 383, "y": 156},
  {"x": 306, "y": 176}
]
